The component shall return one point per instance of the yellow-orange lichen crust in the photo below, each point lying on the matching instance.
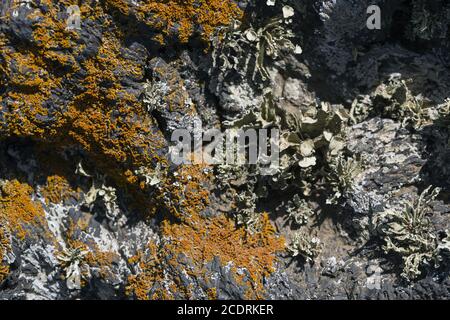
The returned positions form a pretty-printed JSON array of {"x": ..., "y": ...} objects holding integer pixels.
[
  {"x": 176, "y": 96},
  {"x": 57, "y": 189},
  {"x": 4, "y": 246},
  {"x": 17, "y": 209},
  {"x": 102, "y": 117},
  {"x": 186, "y": 192},
  {"x": 199, "y": 240},
  {"x": 181, "y": 18},
  {"x": 18, "y": 213},
  {"x": 114, "y": 129}
]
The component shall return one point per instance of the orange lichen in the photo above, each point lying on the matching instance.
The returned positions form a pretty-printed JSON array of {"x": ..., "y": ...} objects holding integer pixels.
[
  {"x": 152, "y": 273},
  {"x": 201, "y": 239},
  {"x": 103, "y": 118},
  {"x": 181, "y": 18},
  {"x": 185, "y": 192},
  {"x": 109, "y": 123},
  {"x": 4, "y": 247},
  {"x": 176, "y": 96},
  {"x": 17, "y": 209},
  {"x": 31, "y": 70},
  {"x": 57, "y": 189},
  {"x": 212, "y": 293},
  {"x": 18, "y": 212}
]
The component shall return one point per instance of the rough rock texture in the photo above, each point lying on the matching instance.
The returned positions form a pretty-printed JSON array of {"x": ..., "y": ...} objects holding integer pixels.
[{"x": 92, "y": 207}]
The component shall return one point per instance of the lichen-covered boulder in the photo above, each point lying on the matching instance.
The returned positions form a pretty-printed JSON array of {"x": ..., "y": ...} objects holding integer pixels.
[{"x": 93, "y": 207}]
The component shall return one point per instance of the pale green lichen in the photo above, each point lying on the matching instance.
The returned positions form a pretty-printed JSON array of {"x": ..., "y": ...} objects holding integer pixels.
[
  {"x": 246, "y": 212},
  {"x": 150, "y": 177},
  {"x": 342, "y": 177},
  {"x": 247, "y": 48},
  {"x": 298, "y": 211},
  {"x": 72, "y": 260},
  {"x": 107, "y": 196},
  {"x": 444, "y": 116},
  {"x": 305, "y": 246},
  {"x": 394, "y": 99},
  {"x": 408, "y": 233}
]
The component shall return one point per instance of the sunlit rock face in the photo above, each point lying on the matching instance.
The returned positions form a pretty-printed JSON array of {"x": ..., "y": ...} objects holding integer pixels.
[{"x": 92, "y": 205}]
